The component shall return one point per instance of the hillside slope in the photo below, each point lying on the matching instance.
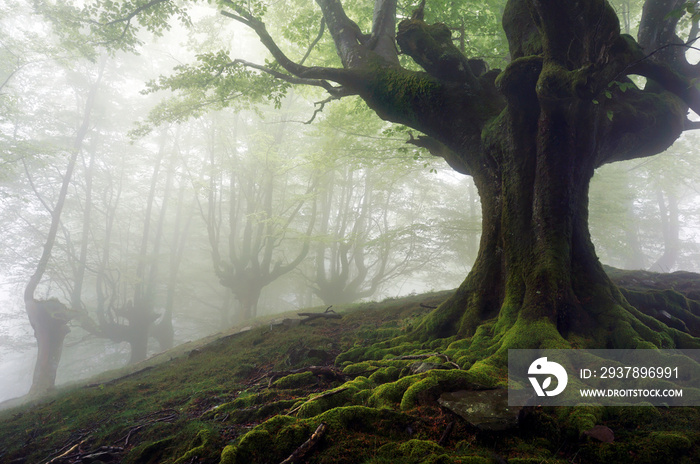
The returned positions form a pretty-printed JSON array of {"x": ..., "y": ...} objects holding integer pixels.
[{"x": 349, "y": 390}]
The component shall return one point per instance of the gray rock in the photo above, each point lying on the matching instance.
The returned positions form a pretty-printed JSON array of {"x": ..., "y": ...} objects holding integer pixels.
[
  {"x": 419, "y": 367},
  {"x": 486, "y": 410}
]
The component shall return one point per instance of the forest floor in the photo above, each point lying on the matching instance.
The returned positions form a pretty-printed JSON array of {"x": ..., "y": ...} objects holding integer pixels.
[{"x": 297, "y": 392}]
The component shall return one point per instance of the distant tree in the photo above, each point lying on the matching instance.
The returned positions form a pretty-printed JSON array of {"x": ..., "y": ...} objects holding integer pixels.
[
  {"x": 360, "y": 243},
  {"x": 254, "y": 202}
]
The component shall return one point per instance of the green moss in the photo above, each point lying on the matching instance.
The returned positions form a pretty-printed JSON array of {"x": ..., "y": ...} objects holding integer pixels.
[
  {"x": 356, "y": 368},
  {"x": 631, "y": 415},
  {"x": 357, "y": 389},
  {"x": 414, "y": 451},
  {"x": 295, "y": 380},
  {"x": 474, "y": 460},
  {"x": 390, "y": 394},
  {"x": 153, "y": 452},
  {"x": 436, "y": 382},
  {"x": 385, "y": 375},
  {"x": 317, "y": 405},
  {"x": 199, "y": 447},
  {"x": 581, "y": 418},
  {"x": 209, "y": 389},
  {"x": 666, "y": 446},
  {"x": 273, "y": 440}
]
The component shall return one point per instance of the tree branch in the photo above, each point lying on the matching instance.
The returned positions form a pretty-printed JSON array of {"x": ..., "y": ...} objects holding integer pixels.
[
  {"x": 321, "y": 29},
  {"x": 347, "y": 35},
  {"x": 669, "y": 80},
  {"x": 437, "y": 148},
  {"x": 286, "y": 77},
  {"x": 383, "y": 31},
  {"x": 321, "y": 73},
  {"x": 132, "y": 14},
  {"x": 34, "y": 189},
  {"x": 432, "y": 48}
]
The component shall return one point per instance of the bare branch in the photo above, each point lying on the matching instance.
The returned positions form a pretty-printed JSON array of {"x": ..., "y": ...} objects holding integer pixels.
[
  {"x": 316, "y": 40},
  {"x": 320, "y": 105},
  {"x": 286, "y": 77},
  {"x": 36, "y": 192}
]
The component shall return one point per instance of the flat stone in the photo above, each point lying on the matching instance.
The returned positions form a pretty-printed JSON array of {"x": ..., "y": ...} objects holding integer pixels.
[
  {"x": 601, "y": 433},
  {"x": 486, "y": 410},
  {"x": 419, "y": 367}
]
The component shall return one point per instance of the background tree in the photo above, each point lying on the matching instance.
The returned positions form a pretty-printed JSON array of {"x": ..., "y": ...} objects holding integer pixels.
[{"x": 254, "y": 203}]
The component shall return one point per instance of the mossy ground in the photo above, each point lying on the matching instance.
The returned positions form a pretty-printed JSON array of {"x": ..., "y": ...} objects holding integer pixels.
[{"x": 221, "y": 404}]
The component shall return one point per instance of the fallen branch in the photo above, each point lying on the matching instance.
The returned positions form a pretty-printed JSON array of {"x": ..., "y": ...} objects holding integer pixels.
[
  {"x": 300, "y": 452},
  {"x": 66, "y": 453},
  {"x": 327, "y": 314},
  {"x": 87, "y": 456}
]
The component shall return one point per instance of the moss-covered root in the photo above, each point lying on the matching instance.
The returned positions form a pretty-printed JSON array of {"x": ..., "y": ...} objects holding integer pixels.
[{"x": 278, "y": 437}]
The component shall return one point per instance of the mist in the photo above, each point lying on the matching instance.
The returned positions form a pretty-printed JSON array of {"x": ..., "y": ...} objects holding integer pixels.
[{"x": 190, "y": 213}]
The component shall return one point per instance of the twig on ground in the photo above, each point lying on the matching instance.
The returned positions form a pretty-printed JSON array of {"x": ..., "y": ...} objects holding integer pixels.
[
  {"x": 170, "y": 416},
  {"x": 446, "y": 434},
  {"x": 300, "y": 452}
]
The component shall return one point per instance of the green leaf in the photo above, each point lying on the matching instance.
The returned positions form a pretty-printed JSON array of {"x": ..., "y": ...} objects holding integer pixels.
[{"x": 610, "y": 115}]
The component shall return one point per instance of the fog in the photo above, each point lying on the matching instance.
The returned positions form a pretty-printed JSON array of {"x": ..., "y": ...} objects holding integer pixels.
[{"x": 188, "y": 213}]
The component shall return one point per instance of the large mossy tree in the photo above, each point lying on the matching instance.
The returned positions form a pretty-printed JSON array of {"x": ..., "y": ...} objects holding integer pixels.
[{"x": 531, "y": 135}]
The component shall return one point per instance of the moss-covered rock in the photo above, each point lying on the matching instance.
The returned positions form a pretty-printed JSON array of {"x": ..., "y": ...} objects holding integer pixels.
[
  {"x": 578, "y": 419},
  {"x": 295, "y": 380}
]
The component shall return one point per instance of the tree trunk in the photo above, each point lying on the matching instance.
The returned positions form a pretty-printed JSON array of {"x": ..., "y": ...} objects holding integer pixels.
[
  {"x": 50, "y": 322},
  {"x": 537, "y": 282},
  {"x": 141, "y": 315}
]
